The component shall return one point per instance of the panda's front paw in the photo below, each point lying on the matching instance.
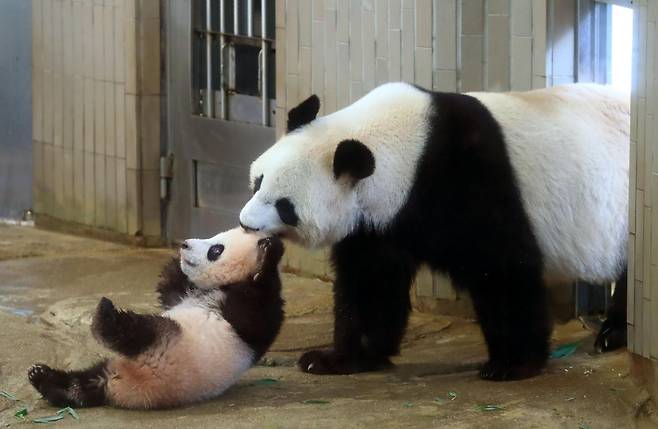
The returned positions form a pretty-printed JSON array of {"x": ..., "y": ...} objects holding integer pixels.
[
  {"x": 330, "y": 362},
  {"x": 325, "y": 362},
  {"x": 612, "y": 336},
  {"x": 497, "y": 371}
]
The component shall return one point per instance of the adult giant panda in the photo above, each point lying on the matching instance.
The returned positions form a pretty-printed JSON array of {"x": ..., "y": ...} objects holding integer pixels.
[{"x": 500, "y": 191}]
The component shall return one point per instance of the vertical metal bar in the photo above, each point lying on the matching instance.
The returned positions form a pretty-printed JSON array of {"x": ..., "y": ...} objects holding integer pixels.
[
  {"x": 236, "y": 17},
  {"x": 250, "y": 18},
  {"x": 265, "y": 108},
  {"x": 210, "y": 99},
  {"x": 222, "y": 43}
]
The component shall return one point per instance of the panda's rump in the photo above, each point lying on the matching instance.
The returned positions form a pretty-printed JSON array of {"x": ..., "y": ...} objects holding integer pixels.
[
  {"x": 200, "y": 363},
  {"x": 569, "y": 149}
]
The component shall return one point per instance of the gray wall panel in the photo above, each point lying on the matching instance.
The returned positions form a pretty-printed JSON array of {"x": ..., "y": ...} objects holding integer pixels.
[{"x": 16, "y": 125}]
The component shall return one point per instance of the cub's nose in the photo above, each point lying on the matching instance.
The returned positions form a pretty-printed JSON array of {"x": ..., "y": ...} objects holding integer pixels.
[{"x": 184, "y": 245}]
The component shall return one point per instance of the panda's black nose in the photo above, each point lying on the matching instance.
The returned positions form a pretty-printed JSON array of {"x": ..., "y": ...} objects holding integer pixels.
[
  {"x": 248, "y": 228},
  {"x": 184, "y": 245}
]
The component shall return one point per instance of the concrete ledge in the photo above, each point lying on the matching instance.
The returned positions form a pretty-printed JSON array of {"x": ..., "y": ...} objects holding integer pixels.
[
  {"x": 644, "y": 373},
  {"x": 53, "y": 224}
]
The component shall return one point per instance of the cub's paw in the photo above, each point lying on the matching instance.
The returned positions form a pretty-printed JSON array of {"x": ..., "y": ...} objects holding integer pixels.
[
  {"x": 271, "y": 250},
  {"x": 43, "y": 377},
  {"x": 329, "y": 362},
  {"x": 496, "y": 371},
  {"x": 53, "y": 384},
  {"x": 612, "y": 336}
]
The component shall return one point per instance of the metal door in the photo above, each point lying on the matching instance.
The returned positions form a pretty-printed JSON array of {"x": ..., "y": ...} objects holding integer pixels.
[
  {"x": 220, "y": 63},
  {"x": 15, "y": 108}
]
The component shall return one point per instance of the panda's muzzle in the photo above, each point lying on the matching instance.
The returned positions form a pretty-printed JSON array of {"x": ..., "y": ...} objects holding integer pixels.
[{"x": 248, "y": 228}]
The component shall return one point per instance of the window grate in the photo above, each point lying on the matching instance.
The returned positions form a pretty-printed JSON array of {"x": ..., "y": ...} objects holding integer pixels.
[{"x": 233, "y": 48}]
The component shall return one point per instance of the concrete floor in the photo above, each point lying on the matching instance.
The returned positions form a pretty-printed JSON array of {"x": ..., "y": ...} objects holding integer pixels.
[{"x": 50, "y": 284}]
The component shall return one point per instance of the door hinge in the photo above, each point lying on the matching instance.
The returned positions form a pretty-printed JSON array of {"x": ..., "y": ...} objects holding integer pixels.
[{"x": 166, "y": 174}]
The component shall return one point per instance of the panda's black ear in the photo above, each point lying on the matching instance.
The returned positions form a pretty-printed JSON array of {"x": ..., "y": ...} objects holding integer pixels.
[
  {"x": 354, "y": 159},
  {"x": 304, "y": 113}
]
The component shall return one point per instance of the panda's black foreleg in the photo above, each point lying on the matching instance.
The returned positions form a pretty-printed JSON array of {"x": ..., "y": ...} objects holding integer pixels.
[
  {"x": 130, "y": 333},
  {"x": 371, "y": 307},
  {"x": 612, "y": 335},
  {"x": 174, "y": 284},
  {"x": 512, "y": 311}
]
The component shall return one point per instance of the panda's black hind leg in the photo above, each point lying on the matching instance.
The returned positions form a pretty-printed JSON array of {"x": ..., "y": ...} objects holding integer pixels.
[
  {"x": 512, "y": 310},
  {"x": 84, "y": 388},
  {"x": 612, "y": 335},
  {"x": 130, "y": 333}
]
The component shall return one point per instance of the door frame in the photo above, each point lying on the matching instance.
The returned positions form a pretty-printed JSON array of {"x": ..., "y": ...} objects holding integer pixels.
[{"x": 226, "y": 144}]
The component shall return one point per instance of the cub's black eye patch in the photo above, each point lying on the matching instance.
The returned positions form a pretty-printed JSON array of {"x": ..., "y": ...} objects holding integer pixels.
[
  {"x": 257, "y": 183},
  {"x": 215, "y": 251},
  {"x": 286, "y": 211}
]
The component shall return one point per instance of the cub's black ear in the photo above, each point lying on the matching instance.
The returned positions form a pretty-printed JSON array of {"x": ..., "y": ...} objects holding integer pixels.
[
  {"x": 353, "y": 158},
  {"x": 304, "y": 113}
]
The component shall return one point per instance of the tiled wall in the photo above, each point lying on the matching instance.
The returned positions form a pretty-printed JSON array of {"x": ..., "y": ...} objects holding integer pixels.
[
  {"x": 96, "y": 113},
  {"x": 643, "y": 240},
  {"x": 341, "y": 49}
]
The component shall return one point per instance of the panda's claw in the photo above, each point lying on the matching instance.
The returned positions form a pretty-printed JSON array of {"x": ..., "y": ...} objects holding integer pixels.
[
  {"x": 36, "y": 372},
  {"x": 496, "y": 371},
  {"x": 43, "y": 377},
  {"x": 611, "y": 337},
  {"x": 330, "y": 362}
]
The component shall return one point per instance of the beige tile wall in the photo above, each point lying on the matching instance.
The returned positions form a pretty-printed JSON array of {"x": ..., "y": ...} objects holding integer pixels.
[
  {"x": 96, "y": 125},
  {"x": 341, "y": 49},
  {"x": 643, "y": 239}
]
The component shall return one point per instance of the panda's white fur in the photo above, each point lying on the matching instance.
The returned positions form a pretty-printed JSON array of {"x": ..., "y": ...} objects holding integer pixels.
[
  {"x": 304, "y": 170},
  {"x": 206, "y": 340},
  {"x": 202, "y": 361},
  {"x": 221, "y": 315},
  {"x": 568, "y": 146}
]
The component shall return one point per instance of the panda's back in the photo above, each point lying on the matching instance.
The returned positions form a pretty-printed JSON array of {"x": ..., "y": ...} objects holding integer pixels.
[{"x": 569, "y": 149}]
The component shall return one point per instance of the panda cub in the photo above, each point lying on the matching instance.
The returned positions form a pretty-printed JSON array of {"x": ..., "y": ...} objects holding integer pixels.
[{"x": 223, "y": 309}]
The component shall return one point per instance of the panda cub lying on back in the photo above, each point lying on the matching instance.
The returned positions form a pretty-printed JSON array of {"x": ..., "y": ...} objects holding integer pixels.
[{"x": 223, "y": 310}]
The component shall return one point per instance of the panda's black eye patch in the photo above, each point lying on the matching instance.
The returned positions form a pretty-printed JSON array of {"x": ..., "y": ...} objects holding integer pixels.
[
  {"x": 257, "y": 183},
  {"x": 286, "y": 210},
  {"x": 215, "y": 251}
]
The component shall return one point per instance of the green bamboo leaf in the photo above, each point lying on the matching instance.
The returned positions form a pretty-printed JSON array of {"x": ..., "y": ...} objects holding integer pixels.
[
  {"x": 565, "y": 350},
  {"x": 316, "y": 401},
  {"x": 48, "y": 419},
  {"x": 408, "y": 404},
  {"x": 20, "y": 414},
  {"x": 70, "y": 411},
  {"x": 452, "y": 396},
  {"x": 8, "y": 395},
  {"x": 490, "y": 407},
  {"x": 266, "y": 382}
]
